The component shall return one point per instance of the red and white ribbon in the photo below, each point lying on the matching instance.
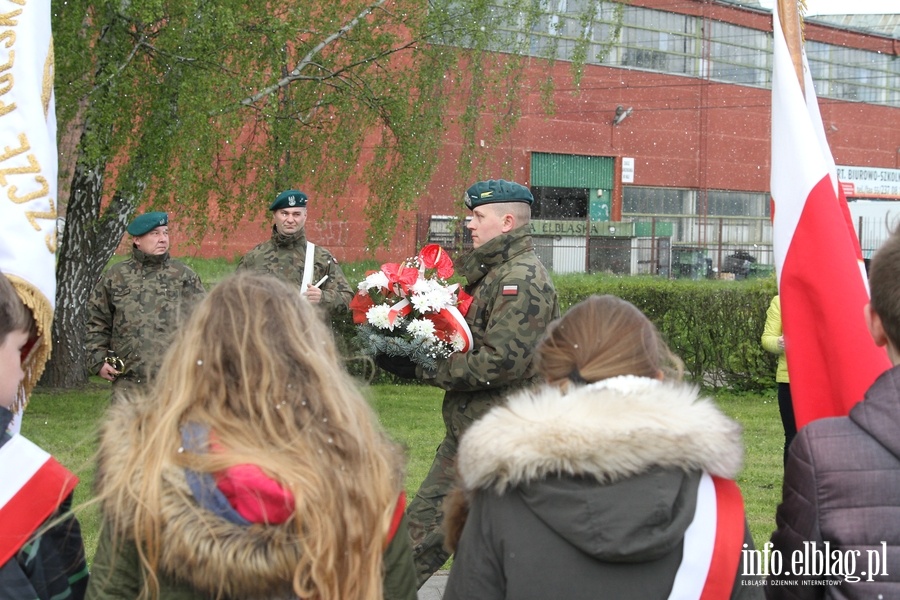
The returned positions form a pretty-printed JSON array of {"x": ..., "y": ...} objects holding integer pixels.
[
  {"x": 712, "y": 542},
  {"x": 401, "y": 309},
  {"x": 458, "y": 323}
]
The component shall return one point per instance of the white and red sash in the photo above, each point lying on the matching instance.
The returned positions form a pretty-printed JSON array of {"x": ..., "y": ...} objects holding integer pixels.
[
  {"x": 32, "y": 486},
  {"x": 712, "y": 543}
]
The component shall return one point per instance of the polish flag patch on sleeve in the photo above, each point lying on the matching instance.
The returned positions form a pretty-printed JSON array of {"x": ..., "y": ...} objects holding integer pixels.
[{"x": 510, "y": 290}]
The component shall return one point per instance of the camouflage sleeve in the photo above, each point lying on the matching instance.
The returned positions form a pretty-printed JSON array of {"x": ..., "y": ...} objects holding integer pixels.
[
  {"x": 504, "y": 355},
  {"x": 246, "y": 261},
  {"x": 99, "y": 326},
  {"x": 336, "y": 291}
]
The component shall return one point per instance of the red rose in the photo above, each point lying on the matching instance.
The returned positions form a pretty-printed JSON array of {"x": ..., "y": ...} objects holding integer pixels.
[{"x": 433, "y": 256}]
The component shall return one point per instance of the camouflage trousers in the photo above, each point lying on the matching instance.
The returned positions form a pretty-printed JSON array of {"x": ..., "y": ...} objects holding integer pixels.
[{"x": 426, "y": 511}]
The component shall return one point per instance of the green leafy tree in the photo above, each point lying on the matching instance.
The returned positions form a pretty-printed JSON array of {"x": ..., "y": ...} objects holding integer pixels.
[{"x": 200, "y": 103}]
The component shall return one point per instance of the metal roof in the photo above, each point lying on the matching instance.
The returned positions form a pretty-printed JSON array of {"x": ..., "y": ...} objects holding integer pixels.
[{"x": 882, "y": 25}]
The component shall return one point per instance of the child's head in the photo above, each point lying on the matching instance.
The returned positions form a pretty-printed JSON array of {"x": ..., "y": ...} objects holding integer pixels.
[
  {"x": 256, "y": 364},
  {"x": 884, "y": 285},
  {"x": 252, "y": 343},
  {"x": 16, "y": 328},
  {"x": 603, "y": 337}
]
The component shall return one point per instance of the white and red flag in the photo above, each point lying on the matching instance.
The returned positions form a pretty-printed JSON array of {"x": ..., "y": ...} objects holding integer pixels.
[
  {"x": 28, "y": 171},
  {"x": 831, "y": 357},
  {"x": 34, "y": 486}
]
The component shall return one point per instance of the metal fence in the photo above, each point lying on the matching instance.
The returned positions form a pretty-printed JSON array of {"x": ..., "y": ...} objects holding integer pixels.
[
  {"x": 673, "y": 246},
  {"x": 670, "y": 246}
]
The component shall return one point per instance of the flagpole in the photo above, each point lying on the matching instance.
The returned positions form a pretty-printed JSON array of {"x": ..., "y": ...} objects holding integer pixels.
[{"x": 789, "y": 14}]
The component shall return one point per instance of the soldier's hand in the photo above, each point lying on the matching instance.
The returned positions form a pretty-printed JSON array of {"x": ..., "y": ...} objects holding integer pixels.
[
  {"x": 313, "y": 294},
  {"x": 398, "y": 365},
  {"x": 108, "y": 372}
]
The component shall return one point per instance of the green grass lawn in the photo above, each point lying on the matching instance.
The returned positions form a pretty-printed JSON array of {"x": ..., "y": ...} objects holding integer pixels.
[{"x": 65, "y": 424}]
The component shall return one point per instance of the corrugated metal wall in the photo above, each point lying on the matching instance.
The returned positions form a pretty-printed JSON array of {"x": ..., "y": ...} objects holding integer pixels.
[{"x": 570, "y": 170}]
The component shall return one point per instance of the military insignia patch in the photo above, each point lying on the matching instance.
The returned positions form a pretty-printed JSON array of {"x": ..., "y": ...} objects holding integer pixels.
[{"x": 510, "y": 290}]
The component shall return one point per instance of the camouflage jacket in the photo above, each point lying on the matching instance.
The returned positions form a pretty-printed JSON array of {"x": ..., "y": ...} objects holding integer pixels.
[
  {"x": 285, "y": 257},
  {"x": 514, "y": 301},
  {"x": 134, "y": 311}
]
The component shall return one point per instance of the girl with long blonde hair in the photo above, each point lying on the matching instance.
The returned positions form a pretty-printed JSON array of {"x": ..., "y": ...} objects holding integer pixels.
[{"x": 253, "y": 468}]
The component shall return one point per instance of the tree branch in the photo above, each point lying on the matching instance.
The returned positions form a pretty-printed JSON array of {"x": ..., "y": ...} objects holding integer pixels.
[{"x": 295, "y": 73}]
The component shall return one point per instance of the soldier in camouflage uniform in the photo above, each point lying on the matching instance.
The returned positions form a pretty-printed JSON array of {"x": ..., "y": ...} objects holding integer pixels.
[
  {"x": 284, "y": 256},
  {"x": 137, "y": 305},
  {"x": 514, "y": 301}
]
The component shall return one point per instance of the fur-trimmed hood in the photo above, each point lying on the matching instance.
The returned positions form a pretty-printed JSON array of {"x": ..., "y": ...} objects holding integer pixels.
[
  {"x": 610, "y": 430},
  {"x": 198, "y": 547},
  {"x": 612, "y": 467}
]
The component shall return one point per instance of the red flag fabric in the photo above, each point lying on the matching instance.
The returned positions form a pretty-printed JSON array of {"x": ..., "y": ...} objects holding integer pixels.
[
  {"x": 831, "y": 357},
  {"x": 34, "y": 485}
]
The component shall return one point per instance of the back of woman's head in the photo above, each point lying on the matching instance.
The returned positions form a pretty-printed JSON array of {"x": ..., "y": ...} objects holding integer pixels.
[
  {"x": 253, "y": 345},
  {"x": 256, "y": 364},
  {"x": 603, "y": 337}
]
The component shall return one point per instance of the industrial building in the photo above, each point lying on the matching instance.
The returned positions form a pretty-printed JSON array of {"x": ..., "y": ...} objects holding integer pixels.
[{"x": 659, "y": 162}]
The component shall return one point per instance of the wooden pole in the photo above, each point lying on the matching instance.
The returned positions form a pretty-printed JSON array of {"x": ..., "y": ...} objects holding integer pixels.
[{"x": 789, "y": 15}]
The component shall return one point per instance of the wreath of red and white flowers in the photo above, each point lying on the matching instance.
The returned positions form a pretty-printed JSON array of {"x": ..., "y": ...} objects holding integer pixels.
[{"x": 408, "y": 309}]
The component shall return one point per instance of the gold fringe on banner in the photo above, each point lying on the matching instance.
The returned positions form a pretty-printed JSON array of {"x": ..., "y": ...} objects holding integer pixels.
[{"x": 37, "y": 359}]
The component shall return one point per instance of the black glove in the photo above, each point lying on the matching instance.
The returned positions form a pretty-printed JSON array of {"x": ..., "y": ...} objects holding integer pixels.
[{"x": 400, "y": 366}]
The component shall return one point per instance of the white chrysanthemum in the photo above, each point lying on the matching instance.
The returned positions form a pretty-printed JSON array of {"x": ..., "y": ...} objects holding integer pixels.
[
  {"x": 421, "y": 329},
  {"x": 430, "y": 296},
  {"x": 457, "y": 341},
  {"x": 377, "y": 316},
  {"x": 374, "y": 281}
]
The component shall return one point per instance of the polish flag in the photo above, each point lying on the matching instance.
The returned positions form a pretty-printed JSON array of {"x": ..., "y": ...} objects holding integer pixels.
[
  {"x": 34, "y": 485},
  {"x": 831, "y": 357}
]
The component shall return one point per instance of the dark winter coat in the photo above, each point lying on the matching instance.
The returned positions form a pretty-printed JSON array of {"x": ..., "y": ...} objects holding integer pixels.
[
  {"x": 588, "y": 494},
  {"x": 842, "y": 487},
  {"x": 205, "y": 555},
  {"x": 52, "y": 565}
]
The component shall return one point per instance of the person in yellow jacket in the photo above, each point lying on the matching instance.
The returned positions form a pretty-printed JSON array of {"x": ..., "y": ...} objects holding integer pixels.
[{"x": 773, "y": 341}]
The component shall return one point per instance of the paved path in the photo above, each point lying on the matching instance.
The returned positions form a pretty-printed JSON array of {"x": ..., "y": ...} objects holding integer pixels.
[{"x": 434, "y": 587}]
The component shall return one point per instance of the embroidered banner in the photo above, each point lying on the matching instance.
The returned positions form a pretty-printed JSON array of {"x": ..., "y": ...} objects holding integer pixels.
[{"x": 28, "y": 168}]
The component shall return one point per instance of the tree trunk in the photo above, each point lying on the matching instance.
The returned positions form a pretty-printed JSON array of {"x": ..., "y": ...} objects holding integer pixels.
[{"x": 88, "y": 242}]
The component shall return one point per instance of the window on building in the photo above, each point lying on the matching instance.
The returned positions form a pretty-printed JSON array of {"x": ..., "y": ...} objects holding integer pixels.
[
  {"x": 656, "y": 201},
  {"x": 739, "y": 55},
  {"x": 658, "y": 41},
  {"x": 737, "y": 204},
  {"x": 556, "y": 203},
  {"x": 666, "y": 42}
]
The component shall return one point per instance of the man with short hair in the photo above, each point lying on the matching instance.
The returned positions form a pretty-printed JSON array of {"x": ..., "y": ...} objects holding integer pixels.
[
  {"x": 513, "y": 302},
  {"x": 137, "y": 305},
  {"x": 290, "y": 257}
]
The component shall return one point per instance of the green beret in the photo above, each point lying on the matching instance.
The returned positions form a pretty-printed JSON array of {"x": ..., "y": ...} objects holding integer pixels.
[
  {"x": 289, "y": 199},
  {"x": 147, "y": 222},
  {"x": 497, "y": 190}
]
